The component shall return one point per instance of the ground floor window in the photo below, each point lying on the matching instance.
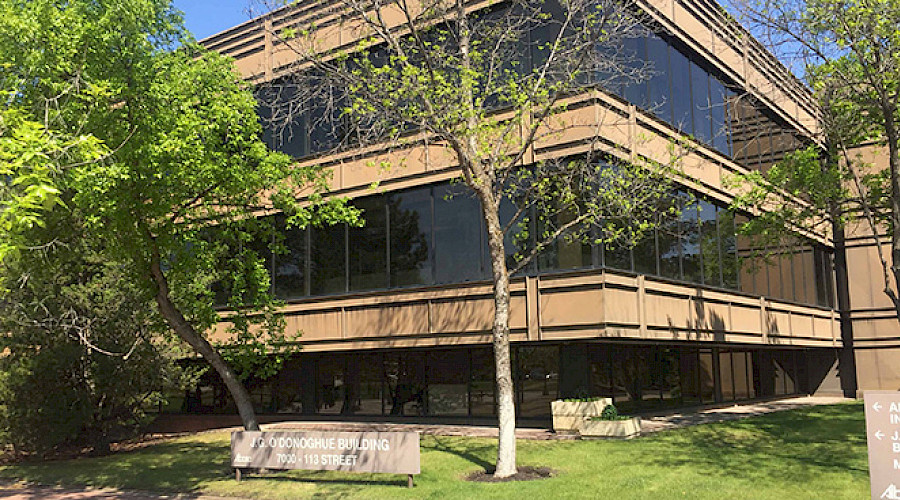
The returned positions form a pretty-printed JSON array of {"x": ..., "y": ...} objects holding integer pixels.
[{"x": 459, "y": 382}]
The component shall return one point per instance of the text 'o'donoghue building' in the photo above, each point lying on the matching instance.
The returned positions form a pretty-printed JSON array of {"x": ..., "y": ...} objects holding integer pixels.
[{"x": 396, "y": 316}]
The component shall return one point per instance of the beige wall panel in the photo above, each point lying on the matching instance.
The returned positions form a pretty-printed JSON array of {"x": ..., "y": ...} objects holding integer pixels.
[
  {"x": 876, "y": 329},
  {"x": 746, "y": 319},
  {"x": 668, "y": 312},
  {"x": 580, "y": 333},
  {"x": 711, "y": 316},
  {"x": 365, "y": 172},
  {"x": 578, "y": 307},
  {"x": 860, "y": 276},
  {"x": 315, "y": 326},
  {"x": 878, "y": 369},
  {"x": 251, "y": 65},
  {"x": 518, "y": 311},
  {"x": 801, "y": 325},
  {"x": 405, "y": 319},
  {"x": 583, "y": 123},
  {"x": 468, "y": 315},
  {"x": 779, "y": 323},
  {"x": 822, "y": 328},
  {"x": 621, "y": 306}
]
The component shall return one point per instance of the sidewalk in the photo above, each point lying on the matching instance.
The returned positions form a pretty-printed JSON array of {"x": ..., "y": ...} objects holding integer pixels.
[
  {"x": 31, "y": 492},
  {"x": 649, "y": 424}
]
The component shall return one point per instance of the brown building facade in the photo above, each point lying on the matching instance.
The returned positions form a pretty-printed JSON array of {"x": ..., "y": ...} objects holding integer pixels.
[{"x": 396, "y": 316}]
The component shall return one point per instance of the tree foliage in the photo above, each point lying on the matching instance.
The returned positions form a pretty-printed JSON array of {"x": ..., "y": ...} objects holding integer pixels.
[
  {"x": 155, "y": 144},
  {"x": 849, "y": 54},
  {"x": 487, "y": 87}
]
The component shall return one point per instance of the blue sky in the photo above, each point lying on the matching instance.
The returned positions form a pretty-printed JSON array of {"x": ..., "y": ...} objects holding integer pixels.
[{"x": 208, "y": 17}]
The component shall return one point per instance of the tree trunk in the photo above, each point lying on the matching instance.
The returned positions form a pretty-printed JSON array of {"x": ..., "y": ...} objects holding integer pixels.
[
  {"x": 187, "y": 333},
  {"x": 506, "y": 405}
]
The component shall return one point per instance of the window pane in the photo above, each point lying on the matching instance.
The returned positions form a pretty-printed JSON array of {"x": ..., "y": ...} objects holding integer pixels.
[
  {"x": 410, "y": 216},
  {"x": 290, "y": 267},
  {"x": 679, "y": 66},
  {"x": 658, "y": 56},
  {"x": 368, "y": 246},
  {"x": 645, "y": 255},
  {"x": 702, "y": 105},
  {"x": 538, "y": 379},
  {"x": 457, "y": 235},
  {"x": 483, "y": 380},
  {"x": 448, "y": 382},
  {"x": 405, "y": 380},
  {"x": 669, "y": 241},
  {"x": 563, "y": 253},
  {"x": 327, "y": 260},
  {"x": 690, "y": 244},
  {"x": 720, "y": 128},
  {"x": 284, "y": 127},
  {"x": 636, "y": 57},
  {"x": 726, "y": 375},
  {"x": 709, "y": 244}
]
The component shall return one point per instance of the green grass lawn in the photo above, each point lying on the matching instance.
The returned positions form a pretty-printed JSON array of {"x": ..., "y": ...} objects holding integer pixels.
[{"x": 818, "y": 452}]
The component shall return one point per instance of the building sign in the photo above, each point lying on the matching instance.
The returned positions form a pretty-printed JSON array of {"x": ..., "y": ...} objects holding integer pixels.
[
  {"x": 883, "y": 436},
  {"x": 391, "y": 452}
]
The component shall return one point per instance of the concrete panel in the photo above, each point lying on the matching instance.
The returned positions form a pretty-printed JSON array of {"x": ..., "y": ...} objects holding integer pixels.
[
  {"x": 387, "y": 320},
  {"x": 577, "y": 307},
  {"x": 878, "y": 369},
  {"x": 466, "y": 315},
  {"x": 668, "y": 312},
  {"x": 315, "y": 326},
  {"x": 621, "y": 306}
]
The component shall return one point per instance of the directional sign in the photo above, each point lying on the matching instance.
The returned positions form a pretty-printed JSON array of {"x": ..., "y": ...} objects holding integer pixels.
[{"x": 883, "y": 436}]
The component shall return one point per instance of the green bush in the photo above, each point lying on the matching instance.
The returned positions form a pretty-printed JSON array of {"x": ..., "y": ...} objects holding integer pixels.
[
  {"x": 82, "y": 358},
  {"x": 610, "y": 412}
]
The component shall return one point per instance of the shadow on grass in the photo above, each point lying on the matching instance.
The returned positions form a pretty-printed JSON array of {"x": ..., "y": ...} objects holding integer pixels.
[
  {"x": 172, "y": 466},
  {"x": 796, "y": 445},
  {"x": 469, "y": 451}
]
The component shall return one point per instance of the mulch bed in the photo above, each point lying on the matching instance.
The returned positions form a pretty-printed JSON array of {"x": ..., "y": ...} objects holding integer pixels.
[{"x": 526, "y": 473}]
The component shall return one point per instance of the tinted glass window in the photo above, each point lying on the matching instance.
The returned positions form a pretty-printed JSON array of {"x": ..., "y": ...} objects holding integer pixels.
[
  {"x": 669, "y": 240},
  {"x": 290, "y": 266},
  {"x": 635, "y": 54},
  {"x": 457, "y": 235},
  {"x": 680, "y": 69},
  {"x": 327, "y": 260},
  {"x": 658, "y": 58},
  {"x": 410, "y": 219},
  {"x": 720, "y": 128},
  {"x": 702, "y": 105},
  {"x": 728, "y": 244},
  {"x": 709, "y": 244},
  {"x": 368, "y": 246},
  {"x": 690, "y": 244},
  {"x": 645, "y": 254}
]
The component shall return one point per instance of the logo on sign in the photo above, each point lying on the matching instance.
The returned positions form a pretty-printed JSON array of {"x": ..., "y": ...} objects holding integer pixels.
[{"x": 891, "y": 493}]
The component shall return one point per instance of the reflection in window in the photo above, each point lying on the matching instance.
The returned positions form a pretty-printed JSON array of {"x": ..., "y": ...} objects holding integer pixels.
[
  {"x": 410, "y": 220},
  {"x": 368, "y": 246},
  {"x": 537, "y": 380},
  {"x": 290, "y": 266},
  {"x": 327, "y": 262},
  {"x": 457, "y": 235},
  {"x": 690, "y": 244}
]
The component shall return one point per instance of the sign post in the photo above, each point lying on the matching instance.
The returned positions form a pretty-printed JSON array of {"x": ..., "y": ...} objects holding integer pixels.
[
  {"x": 389, "y": 452},
  {"x": 883, "y": 437}
]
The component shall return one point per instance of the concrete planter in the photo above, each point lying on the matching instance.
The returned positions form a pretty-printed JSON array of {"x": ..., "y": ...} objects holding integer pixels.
[
  {"x": 622, "y": 429},
  {"x": 568, "y": 416}
]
